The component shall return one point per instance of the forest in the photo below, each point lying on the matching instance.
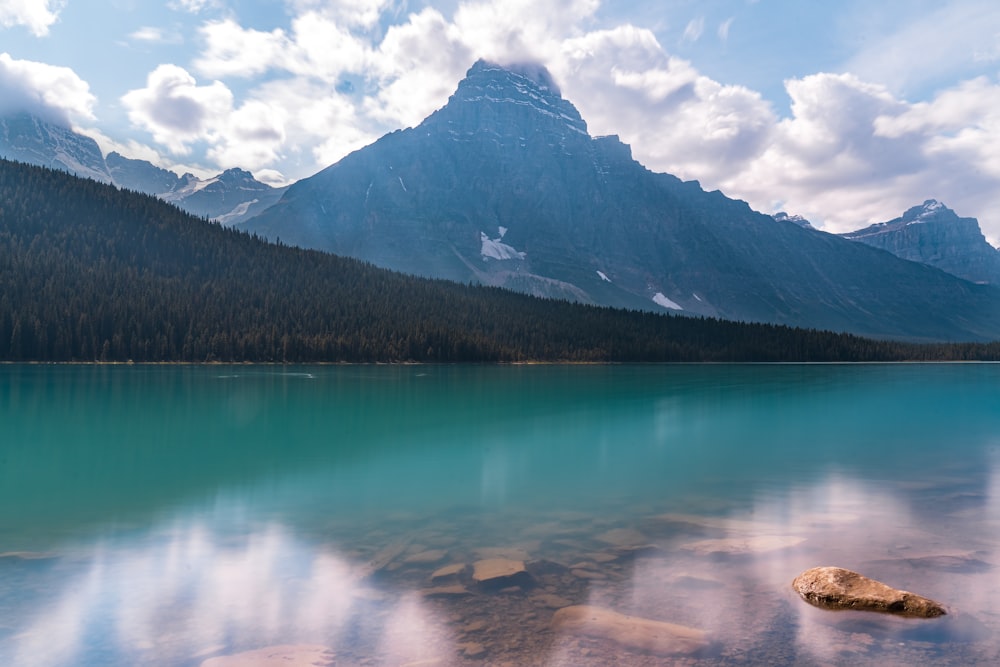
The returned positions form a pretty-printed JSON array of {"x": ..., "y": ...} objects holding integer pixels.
[{"x": 91, "y": 273}]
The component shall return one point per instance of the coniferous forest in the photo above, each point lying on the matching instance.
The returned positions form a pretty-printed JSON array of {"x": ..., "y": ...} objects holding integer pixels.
[{"x": 92, "y": 273}]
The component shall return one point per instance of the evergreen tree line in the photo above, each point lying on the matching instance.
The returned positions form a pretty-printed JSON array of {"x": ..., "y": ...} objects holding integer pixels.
[{"x": 92, "y": 273}]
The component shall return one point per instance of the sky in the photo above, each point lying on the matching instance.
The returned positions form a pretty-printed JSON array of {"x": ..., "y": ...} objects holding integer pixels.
[{"x": 844, "y": 112}]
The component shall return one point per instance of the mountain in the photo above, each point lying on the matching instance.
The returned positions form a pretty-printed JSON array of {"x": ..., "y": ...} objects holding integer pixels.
[
  {"x": 141, "y": 175},
  {"x": 90, "y": 272},
  {"x": 505, "y": 186},
  {"x": 28, "y": 138},
  {"x": 229, "y": 198},
  {"x": 781, "y": 216},
  {"x": 934, "y": 234}
]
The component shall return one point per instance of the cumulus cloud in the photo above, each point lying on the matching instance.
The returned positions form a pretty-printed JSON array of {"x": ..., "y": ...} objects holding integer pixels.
[
  {"x": 352, "y": 13},
  {"x": 676, "y": 119},
  {"x": 232, "y": 50},
  {"x": 176, "y": 110},
  {"x": 852, "y": 153},
  {"x": 35, "y": 15},
  {"x": 54, "y": 93}
]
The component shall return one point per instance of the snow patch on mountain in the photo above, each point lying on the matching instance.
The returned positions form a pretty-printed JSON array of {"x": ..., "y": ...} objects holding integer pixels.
[
  {"x": 227, "y": 219},
  {"x": 927, "y": 211},
  {"x": 661, "y": 300},
  {"x": 497, "y": 249}
]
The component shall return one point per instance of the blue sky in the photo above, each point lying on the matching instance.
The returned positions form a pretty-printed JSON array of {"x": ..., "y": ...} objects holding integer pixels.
[{"x": 846, "y": 112}]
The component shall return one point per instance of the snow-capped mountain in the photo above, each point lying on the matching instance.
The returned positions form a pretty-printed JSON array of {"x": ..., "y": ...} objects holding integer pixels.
[
  {"x": 28, "y": 138},
  {"x": 782, "y": 216},
  {"x": 934, "y": 234},
  {"x": 505, "y": 186},
  {"x": 229, "y": 198}
]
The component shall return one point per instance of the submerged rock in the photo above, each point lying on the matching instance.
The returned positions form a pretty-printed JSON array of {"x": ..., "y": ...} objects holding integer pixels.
[
  {"x": 276, "y": 656},
  {"x": 499, "y": 572},
  {"x": 837, "y": 588},
  {"x": 735, "y": 546},
  {"x": 623, "y": 537},
  {"x": 632, "y": 632},
  {"x": 453, "y": 571}
]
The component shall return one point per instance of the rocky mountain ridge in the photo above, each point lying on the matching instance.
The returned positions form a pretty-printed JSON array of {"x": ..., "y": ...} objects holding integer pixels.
[
  {"x": 934, "y": 234},
  {"x": 228, "y": 198},
  {"x": 505, "y": 186}
]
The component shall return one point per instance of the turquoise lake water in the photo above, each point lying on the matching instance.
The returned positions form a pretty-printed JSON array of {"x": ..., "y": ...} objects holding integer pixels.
[{"x": 188, "y": 515}]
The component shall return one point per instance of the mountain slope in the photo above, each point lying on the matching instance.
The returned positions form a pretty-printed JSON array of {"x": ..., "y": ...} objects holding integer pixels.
[
  {"x": 90, "y": 272},
  {"x": 504, "y": 186},
  {"x": 28, "y": 138},
  {"x": 935, "y": 235}
]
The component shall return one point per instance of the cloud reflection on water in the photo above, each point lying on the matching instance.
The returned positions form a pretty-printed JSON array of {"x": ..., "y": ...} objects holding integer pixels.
[{"x": 188, "y": 590}]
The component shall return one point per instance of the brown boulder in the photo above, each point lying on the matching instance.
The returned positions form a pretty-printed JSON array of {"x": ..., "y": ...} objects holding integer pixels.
[{"x": 837, "y": 588}]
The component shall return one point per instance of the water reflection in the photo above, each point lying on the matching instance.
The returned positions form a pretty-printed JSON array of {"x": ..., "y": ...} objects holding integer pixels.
[
  {"x": 208, "y": 584},
  {"x": 195, "y": 517},
  {"x": 188, "y": 591}
]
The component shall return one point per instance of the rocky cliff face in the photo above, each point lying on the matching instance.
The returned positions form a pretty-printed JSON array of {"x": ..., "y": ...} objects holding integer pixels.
[
  {"x": 504, "y": 186},
  {"x": 30, "y": 139},
  {"x": 934, "y": 234}
]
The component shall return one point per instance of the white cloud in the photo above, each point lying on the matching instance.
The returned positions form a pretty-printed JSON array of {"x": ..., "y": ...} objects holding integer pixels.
[
  {"x": 251, "y": 136},
  {"x": 675, "y": 119},
  {"x": 192, "y": 6},
  {"x": 35, "y": 15},
  {"x": 319, "y": 121},
  {"x": 232, "y": 50},
  {"x": 176, "y": 110},
  {"x": 724, "y": 27},
  {"x": 155, "y": 35},
  {"x": 693, "y": 30},
  {"x": 852, "y": 154},
  {"x": 54, "y": 93},
  {"x": 352, "y": 13}
]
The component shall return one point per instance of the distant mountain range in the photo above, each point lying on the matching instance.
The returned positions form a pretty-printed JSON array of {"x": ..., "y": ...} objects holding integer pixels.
[
  {"x": 89, "y": 272},
  {"x": 228, "y": 198},
  {"x": 505, "y": 186},
  {"x": 934, "y": 234}
]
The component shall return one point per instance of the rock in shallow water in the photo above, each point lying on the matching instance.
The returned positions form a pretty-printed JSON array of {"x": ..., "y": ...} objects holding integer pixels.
[
  {"x": 276, "y": 656},
  {"x": 837, "y": 588},
  {"x": 632, "y": 632},
  {"x": 499, "y": 572}
]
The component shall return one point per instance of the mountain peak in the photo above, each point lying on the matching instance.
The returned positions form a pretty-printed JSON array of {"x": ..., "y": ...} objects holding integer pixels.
[
  {"x": 930, "y": 209},
  {"x": 534, "y": 72},
  {"x": 933, "y": 234},
  {"x": 521, "y": 94}
]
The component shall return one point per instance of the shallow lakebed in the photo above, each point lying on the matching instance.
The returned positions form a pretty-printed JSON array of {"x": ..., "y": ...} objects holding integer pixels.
[{"x": 443, "y": 515}]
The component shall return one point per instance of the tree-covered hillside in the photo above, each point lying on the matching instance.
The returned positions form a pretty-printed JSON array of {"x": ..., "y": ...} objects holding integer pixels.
[{"x": 91, "y": 273}]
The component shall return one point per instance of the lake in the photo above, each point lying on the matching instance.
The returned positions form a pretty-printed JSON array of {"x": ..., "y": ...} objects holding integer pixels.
[{"x": 443, "y": 515}]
